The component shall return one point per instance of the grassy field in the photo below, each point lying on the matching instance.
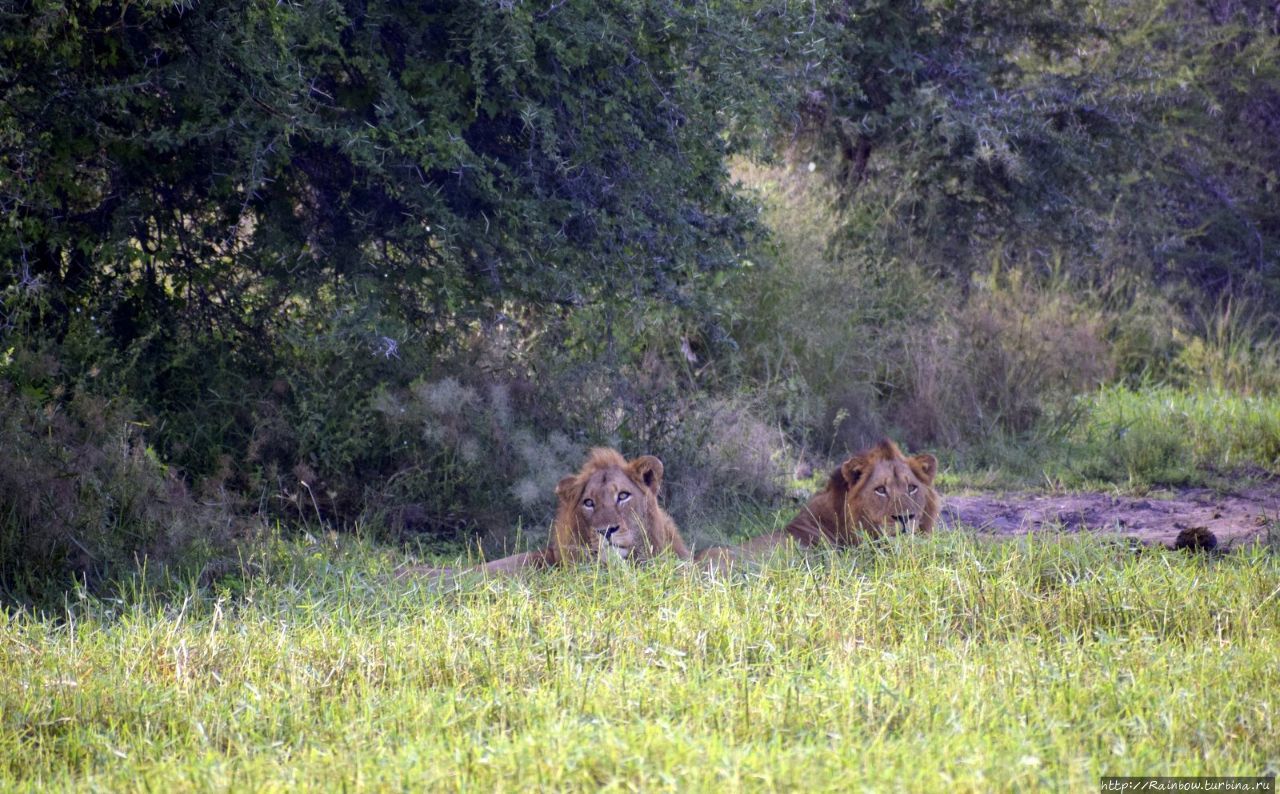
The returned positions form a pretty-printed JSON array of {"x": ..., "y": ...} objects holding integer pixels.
[
  {"x": 1165, "y": 435},
  {"x": 1123, "y": 439},
  {"x": 931, "y": 664}
]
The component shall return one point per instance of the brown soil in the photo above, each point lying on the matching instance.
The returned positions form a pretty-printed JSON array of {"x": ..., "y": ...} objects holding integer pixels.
[{"x": 1235, "y": 518}]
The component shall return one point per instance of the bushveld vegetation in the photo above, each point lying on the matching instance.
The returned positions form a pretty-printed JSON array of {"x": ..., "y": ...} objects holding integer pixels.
[
  {"x": 293, "y": 292},
  {"x": 363, "y": 265}
]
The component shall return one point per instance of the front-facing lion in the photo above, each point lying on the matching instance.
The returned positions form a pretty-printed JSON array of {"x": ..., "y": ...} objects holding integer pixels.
[
  {"x": 876, "y": 492},
  {"x": 609, "y": 509}
]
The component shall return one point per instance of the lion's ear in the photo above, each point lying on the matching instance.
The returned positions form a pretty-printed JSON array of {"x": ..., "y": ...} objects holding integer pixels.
[
  {"x": 850, "y": 472},
  {"x": 566, "y": 487},
  {"x": 925, "y": 467},
  {"x": 648, "y": 470}
]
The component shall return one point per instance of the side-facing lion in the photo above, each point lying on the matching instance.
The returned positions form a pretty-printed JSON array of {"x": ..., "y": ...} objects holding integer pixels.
[
  {"x": 608, "y": 509},
  {"x": 876, "y": 492}
]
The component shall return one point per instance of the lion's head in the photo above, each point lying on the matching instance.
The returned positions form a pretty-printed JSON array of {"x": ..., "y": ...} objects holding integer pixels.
[
  {"x": 881, "y": 491},
  {"x": 610, "y": 508}
]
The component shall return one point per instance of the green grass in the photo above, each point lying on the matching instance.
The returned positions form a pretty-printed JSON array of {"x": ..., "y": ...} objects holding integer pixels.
[
  {"x": 1119, "y": 438},
  {"x": 925, "y": 665},
  {"x": 1166, "y": 435}
]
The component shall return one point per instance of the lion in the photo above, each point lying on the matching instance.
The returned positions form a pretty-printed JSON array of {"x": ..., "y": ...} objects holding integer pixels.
[
  {"x": 608, "y": 510},
  {"x": 876, "y": 492}
]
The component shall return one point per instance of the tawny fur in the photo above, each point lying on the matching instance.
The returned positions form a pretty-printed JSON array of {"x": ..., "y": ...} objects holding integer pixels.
[
  {"x": 642, "y": 523},
  {"x": 849, "y": 508}
]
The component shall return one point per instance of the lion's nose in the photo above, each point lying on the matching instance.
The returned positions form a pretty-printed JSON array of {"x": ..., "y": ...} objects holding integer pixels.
[
  {"x": 904, "y": 519},
  {"x": 608, "y": 531}
]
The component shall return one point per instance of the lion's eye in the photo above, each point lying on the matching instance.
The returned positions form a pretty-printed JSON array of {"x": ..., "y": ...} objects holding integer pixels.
[
  {"x": 589, "y": 504},
  {"x": 623, "y": 496},
  {"x": 912, "y": 489},
  {"x": 881, "y": 490}
]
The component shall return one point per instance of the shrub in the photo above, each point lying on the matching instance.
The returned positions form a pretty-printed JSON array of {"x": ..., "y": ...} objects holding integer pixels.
[
  {"x": 1009, "y": 355},
  {"x": 83, "y": 497},
  {"x": 847, "y": 348},
  {"x": 820, "y": 327},
  {"x": 723, "y": 453},
  {"x": 463, "y": 458},
  {"x": 485, "y": 455},
  {"x": 1230, "y": 349}
]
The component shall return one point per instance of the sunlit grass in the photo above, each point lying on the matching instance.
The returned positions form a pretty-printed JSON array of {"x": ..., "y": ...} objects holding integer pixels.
[
  {"x": 1168, "y": 435},
  {"x": 938, "y": 664},
  {"x": 1124, "y": 438}
]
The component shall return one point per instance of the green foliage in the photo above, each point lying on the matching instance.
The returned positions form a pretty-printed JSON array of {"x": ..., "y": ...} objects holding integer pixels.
[
  {"x": 1231, "y": 352},
  {"x": 941, "y": 130},
  {"x": 1172, "y": 436},
  {"x": 464, "y": 457},
  {"x": 84, "y": 499},
  {"x": 226, "y": 160},
  {"x": 256, "y": 220},
  {"x": 1135, "y": 137},
  {"x": 220, "y": 186},
  {"x": 1198, "y": 202},
  {"x": 917, "y": 664},
  {"x": 848, "y": 348},
  {"x": 816, "y": 322},
  {"x": 844, "y": 349}
]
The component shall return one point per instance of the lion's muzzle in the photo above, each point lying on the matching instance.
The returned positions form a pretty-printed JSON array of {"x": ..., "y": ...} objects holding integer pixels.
[{"x": 905, "y": 520}]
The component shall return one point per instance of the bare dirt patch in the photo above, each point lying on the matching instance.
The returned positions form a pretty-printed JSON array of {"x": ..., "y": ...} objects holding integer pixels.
[{"x": 1235, "y": 518}]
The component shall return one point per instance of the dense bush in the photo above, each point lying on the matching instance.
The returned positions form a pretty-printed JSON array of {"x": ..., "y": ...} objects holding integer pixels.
[
  {"x": 86, "y": 499},
  {"x": 368, "y": 263},
  {"x": 465, "y": 457},
  {"x": 1135, "y": 137},
  {"x": 946, "y": 127},
  {"x": 849, "y": 348},
  {"x": 214, "y": 167},
  {"x": 448, "y": 458},
  {"x": 271, "y": 210}
]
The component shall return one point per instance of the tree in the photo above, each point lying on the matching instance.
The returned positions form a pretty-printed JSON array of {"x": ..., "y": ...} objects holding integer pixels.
[
  {"x": 1135, "y": 136},
  {"x": 211, "y": 182},
  {"x": 225, "y": 159},
  {"x": 1200, "y": 197},
  {"x": 950, "y": 127}
]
